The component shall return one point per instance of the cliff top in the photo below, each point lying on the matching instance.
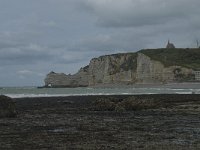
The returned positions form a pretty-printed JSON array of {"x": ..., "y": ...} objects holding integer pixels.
[
  {"x": 186, "y": 57},
  {"x": 189, "y": 57}
]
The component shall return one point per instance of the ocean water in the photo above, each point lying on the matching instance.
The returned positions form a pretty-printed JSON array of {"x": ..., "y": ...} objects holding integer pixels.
[{"x": 19, "y": 92}]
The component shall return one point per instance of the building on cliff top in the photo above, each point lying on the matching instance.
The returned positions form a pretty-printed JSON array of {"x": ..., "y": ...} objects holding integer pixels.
[
  {"x": 170, "y": 45},
  {"x": 197, "y": 75}
]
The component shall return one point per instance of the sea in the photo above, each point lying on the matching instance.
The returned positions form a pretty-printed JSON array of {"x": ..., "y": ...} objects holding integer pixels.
[{"x": 22, "y": 92}]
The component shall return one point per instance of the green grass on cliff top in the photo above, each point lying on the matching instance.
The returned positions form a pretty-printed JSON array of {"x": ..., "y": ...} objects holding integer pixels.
[{"x": 189, "y": 58}]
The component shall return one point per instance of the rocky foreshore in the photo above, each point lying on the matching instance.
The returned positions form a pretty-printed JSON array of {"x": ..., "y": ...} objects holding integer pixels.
[{"x": 104, "y": 122}]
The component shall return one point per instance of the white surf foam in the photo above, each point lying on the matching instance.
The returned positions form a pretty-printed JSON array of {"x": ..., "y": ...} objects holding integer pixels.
[{"x": 63, "y": 95}]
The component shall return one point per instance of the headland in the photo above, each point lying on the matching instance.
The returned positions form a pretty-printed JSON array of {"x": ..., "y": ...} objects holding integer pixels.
[{"x": 149, "y": 66}]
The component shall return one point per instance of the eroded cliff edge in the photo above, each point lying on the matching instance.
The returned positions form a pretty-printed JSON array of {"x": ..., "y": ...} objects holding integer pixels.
[{"x": 145, "y": 66}]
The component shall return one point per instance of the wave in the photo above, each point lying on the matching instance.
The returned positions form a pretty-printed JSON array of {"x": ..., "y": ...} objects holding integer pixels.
[
  {"x": 34, "y": 92},
  {"x": 63, "y": 95}
]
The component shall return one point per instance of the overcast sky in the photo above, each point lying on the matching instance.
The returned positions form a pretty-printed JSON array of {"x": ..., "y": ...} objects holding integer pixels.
[{"x": 39, "y": 36}]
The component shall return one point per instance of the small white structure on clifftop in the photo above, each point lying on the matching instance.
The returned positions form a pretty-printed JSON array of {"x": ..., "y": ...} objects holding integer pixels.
[{"x": 197, "y": 75}]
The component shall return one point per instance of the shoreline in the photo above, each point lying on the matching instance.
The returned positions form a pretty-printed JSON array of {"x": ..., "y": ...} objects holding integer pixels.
[
  {"x": 136, "y": 85},
  {"x": 105, "y": 95}
]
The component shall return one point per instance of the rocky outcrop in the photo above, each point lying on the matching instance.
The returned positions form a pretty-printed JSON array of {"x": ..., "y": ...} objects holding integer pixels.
[
  {"x": 125, "y": 68},
  {"x": 79, "y": 79},
  {"x": 7, "y": 107}
]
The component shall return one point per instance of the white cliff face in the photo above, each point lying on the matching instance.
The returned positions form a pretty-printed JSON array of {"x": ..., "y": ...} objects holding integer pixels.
[
  {"x": 148, "y": 71},
  {"x": 57, "y": 79},
  {"x": 151, "y": 71},
  {"x": 112, "y": 69},
  {"x": 126, "y": 68},
  {"x": 62, "y": 80}
]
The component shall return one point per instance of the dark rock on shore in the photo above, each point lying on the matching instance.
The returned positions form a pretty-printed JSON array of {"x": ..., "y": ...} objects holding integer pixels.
[
  {"x": 103, "y": 104},
  {"x": 7, "y": 107},
  {"x": 127, "y": 104}
]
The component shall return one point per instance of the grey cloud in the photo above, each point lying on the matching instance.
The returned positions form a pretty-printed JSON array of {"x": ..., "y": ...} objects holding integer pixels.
[
  {"x": 63, "y": 35},
  {"x": 7, "y": 44},
  {"x": 20, "y": 55},
  {"x": 28, "y": 73},
  {"x": 128, "y": 13},
  {"x": 123, "y": 40},
  {"x": 71, "y": 57}
]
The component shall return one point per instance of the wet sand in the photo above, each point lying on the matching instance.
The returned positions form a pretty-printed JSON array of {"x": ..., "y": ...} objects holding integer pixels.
[{"x": 68, "y": 123}]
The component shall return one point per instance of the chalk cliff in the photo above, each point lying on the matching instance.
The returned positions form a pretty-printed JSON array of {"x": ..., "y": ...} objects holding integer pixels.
[
  {"x": 152, "y": 71},
  {"x": 124, "y": 68},
  {"x": 112, "y": 69},
  {"x": 79, "y": 79}
]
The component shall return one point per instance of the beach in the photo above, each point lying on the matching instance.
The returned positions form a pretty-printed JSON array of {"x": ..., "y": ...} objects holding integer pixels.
[{"x": 70, "y": 123}]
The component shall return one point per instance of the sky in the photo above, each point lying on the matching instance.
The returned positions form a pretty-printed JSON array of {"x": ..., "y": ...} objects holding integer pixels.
[{"x": 39, "y": 36}]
